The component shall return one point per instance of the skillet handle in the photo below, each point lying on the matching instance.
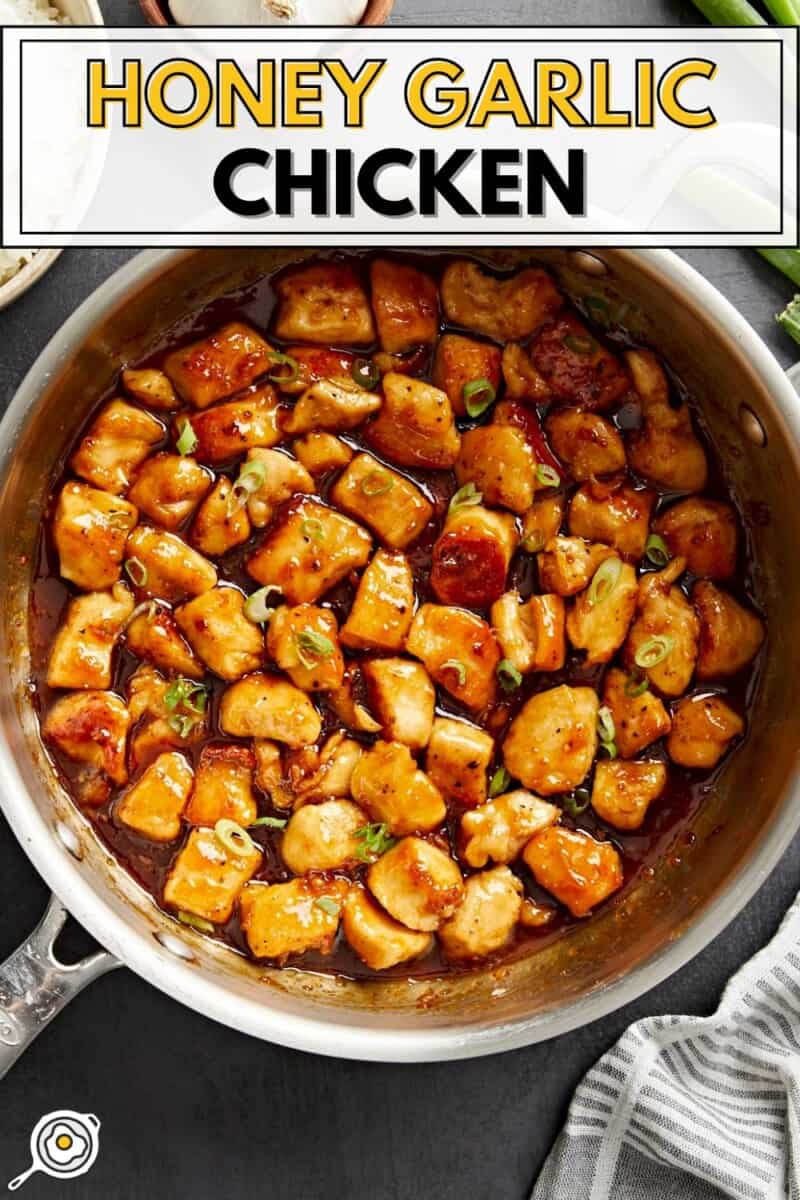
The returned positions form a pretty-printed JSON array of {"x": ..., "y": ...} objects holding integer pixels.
[{"x": 35, "y": 986}]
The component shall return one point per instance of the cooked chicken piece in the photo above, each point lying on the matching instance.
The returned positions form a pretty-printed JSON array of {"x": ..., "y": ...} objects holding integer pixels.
[
  {"x": 315, "y": 363},
  {"x": 154, "y": 805},
  {"x": 599, "y": 624},
  {"x": 119, "y": 440},
  {"x": 666, "y": 449},
  {"x": 416, "y": 426},
  {"x": 309, "y": 550},
  {"x": 282, "y": 919},
  {"x": 229, "y": 430},
  {"x": 703, "y": 728},
  {"x": 586, "y": 443},
  {"x": 484, "y": 921},
  {"x": 377, "y": 939},
  {"x": 392, "y": 506},
  {"x": 270, "y": 777},
  {"x": 461, "y": 360},
  {"x": 403, "y": 699},
  {"x": 457, "y": 760},
  {"x": 92, "y": 728},
  {"x": 531, "y": 635},
  {"x": 304, "y": 642},
  {"x": 348, "y": 702},
  {"x": 459, "y": 650},
  {"x": 472, "y": 556},
  {"x": 321, "y": 453},
  {"x": 206, "y": 877},
  {"x": 220, "y": 365},
  {"x": 331, "y": 406},
  {"x": 418, "y": 884},
  {"x": 267, "y": 707},
  {"x": 84, "y": 645},
  {"x": 617, "y": 516},
  {"x": 333, "y": 772},
  {"x": 499, "y": 830},
  {"x": 622, "y": 792},
  {"x": 159, "y": 729},
  {"x": 406, "y": 306},
  {"x": 567, "y": 565},
  {"x": 324, "y": 303},
  {"x": 146, "y": 688},
  {"x": 151, "y": 388},
  {"x": 536, "y": 916},
  {"x": 579, "y": 370},
  {"x": 506, "y": 310},
  {"x": 666, "y": 632},
  {"x": 705, "y": 533},
  {"x": 154, "y": 637},
  {"x": 523, "y": 381},
  {"x": 322, "y": 837},
  {"x": 163, "y": 567},
  {"x": 284, "y": 477},
  {"x": 220, "y": 633},
  {"x": 389, "y": 785},
  {"x": 221, "y": 522},
  {"x": 497, "y": 459},
  {"x": 223, "y": 786},
  {"x": 383, "y": 609},
  {"x": 90, "y": 529},
  {"x": 639, "y": 719},
  {"x": 169, "y": 487},
  {"x": 542, "y": 521},
  {"x": 730, "y": 635},
  {"x": 573, "y": 867},
  {"x": 553, "y": 740}
]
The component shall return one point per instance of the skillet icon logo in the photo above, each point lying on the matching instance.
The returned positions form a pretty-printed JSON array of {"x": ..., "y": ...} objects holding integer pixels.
[{"x": 64, "y": 1144}]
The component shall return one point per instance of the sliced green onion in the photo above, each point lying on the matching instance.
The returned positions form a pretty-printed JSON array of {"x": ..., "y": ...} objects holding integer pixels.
[
  {"x": 578, "y": 802},
  {"x": 375, "y": 841},
  {"x": 607, "y": 731},
  {"x": 510, "y": 678},
  {"x": 283, "y": 360},
  {"x": 454, "y": 664},
  {"x": 148, "y": 609},
  {"x": 597, "y": 304},
  {"x": 579, "y": 344},
  {"x": 534, "y": 542},
  {"x": 188, "y": 440},
  {"x": 500, "y": 781},
  {"x": 328, "y": 906},
  {"x": 312, "y": 646},
  {"x": 269, "y": 823},
  {"x": 636, "y": 686},
  {"x": 314, "y": 529},
  {"x": 654, "y": 651},
  {"x": 186, "y": 693},
  {"x": 605, "y": 579},
  {"x": 233, "y": 838},
  {"x": 182, "y": 724},
  {"x": 789, "y": 319},
  {"x": 547, "y": 476},
  {"x": 366, "y": 374},
  {"x": 252, "y": 477},
  {"x": 466, "y": 497},
  {"x": 479, "y": 395},
  {"x": 187, "y": 918},
  {"x": 118, "y": 519},
  {"x": 257, "y": 607},
  {"x": 656, "y": 551},
  {"x": 137, "y": 572},
  {"x": 377, "y": 483}
]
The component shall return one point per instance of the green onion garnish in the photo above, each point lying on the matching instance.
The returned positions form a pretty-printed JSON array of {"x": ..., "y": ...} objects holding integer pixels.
[
  {"x": 466, "y": 497},
  {"x": 547, "y": 476},
  {"x": 312, "y": 646},
  {"x": 188, "y": 440},
  {"x": 654, "y": 651},
  {"x": 257, "y": 607},
  {"x": 607, "y": 731},
  {"x": 375, "y": 840},
  {"x": 283, "y": 360},
  {"x": 479, "y": 395},
  {"x": 252, "y": 477},
  {"x": 598, "y": 306},
  {"x": 377, "y": 483},
  {"x": 137, "y": 572},
  {"x": 454, "y": 664},
  {"x": 636, "y": 686},
  {"x": 181, "y": 724},
  {"x": 578, "y": 802},
  {"x": 187, "y": 918},
  {"x": 500, "y": 781},
  {"x": 118, "y": 519},
  {"x": 579, "y": 344},
  {"x": 510, "y": 678},
  {"x": 533, "y": 543},
  {"x": 233, "y": 838},
  {"x": 270, "y": 823},
  {"x": 605, "y": 579},
  {"x": 314, "y": 529},
  {"x": 366, "y": 374},
  {"x": 186, "y": 701},
  {"x": 656, "y": 551},
  {"x": 328, "y": 906}
]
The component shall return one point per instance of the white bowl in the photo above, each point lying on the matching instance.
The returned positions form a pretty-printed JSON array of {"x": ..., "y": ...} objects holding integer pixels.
[{"x": 80, "y": 12}]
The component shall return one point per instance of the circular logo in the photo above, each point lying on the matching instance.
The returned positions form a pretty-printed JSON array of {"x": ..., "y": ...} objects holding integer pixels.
[{"x": 64, "y": 1144}]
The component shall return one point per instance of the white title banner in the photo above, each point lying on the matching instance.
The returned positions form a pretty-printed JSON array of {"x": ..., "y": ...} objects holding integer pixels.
[{"x": 428, "y": 137}]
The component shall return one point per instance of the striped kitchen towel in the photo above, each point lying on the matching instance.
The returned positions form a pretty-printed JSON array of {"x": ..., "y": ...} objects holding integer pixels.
[{"x": 695, "y": 1108}]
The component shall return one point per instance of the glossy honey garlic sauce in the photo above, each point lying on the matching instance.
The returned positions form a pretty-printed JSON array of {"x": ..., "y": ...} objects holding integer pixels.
[{"x": 508, "y": 638}]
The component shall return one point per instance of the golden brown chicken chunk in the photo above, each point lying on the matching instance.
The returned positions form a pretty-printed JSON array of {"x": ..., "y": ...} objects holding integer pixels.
[
  {"x": 703, "y": 728},
  {"x": 577, "y": 368},
  {"x": 542, "y": 521},
  {"x": 498, "y": 831},
  {"x": 586, "y": 443},
  {"x": 457, "y": 760},
  {"x": 220, "y": 633},
  {"x": 90, "y": 529},
  {"x": 119, "y": 440},
  {"x": 406, "y": 306},
  {"x": 460, "y": 361},
  {"x": 160, "y": 728},
  {"x": 573, "y": 867},
  {"x": 283, "y": 919},
  {"x": 640, "y": 717},
  {"x": 378, "y": 940},
  {"x": 383, "y": 609},
  {"x": 321, "y": 453},
  {"x": 304, "y": 642},
  {"x": 309, "y": 550},
  {"x": 207, "y": 876},
  {"x": 417, "y": 883},
  {"x": 392, "y": 506},
  {"x": 666, "y": 449},
  {"x": 315, "y": 363},
  {"x": 459, "y": 650},
  {"x": 154, "y": 637},
  {"x": 348, "y": 702},
  {"x": 506, "y": 310},
  {"x": 485, "y": 919},
  {"x": 514, "y": 631},
  {"x": 663, "y": 640},
  {"x": 416, "y": 426},
  {"x": 283, "y": 477},
  {"x": 472, "y": 556},
  {"x": 616, "y": 516},
  {"x": 84, "y": 646},
  {"x": 546, "y": 619},
  {"x": 324, "y": 303},
  {"x": 389, "y": 785},
  {"x": 223, "y": 786},
  {"x": 598, "y": 623},
  {"x": 151, "y": 388},
  {"x": 228, "y": 430},
  {"x": 221, "y": 522},
  {"x": 523, "y": 382},
  {"x": 154, "y": 805},
  {"x": 332, "y": 406},
  {"x": 163, "y": 567},
  {"x": 705, "y": 533},
  {"x": 267, "y": 707},
  {"x": 331, "y": 775},
  {"x": 220, "y": 365},
  {"x": 402, "y": 698},
  {"x": 623, "y": 791},
  {"x": 730, "y": 635},
  {"x": 168, "y": 488},
  {"x": 497, "y": 460},
  {"x": 91, "y": 728},
  {"x": 567, "y": 565},
  {"x": 322, "y": 837},
  {"x": 552, "y": 741}
]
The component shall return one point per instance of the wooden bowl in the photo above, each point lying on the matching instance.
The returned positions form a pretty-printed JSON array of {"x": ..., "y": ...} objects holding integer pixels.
[{"x": 157, "y": 12}]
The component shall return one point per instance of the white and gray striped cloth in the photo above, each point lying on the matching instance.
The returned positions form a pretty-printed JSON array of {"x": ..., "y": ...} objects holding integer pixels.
[{"x": 695, "y": 1108}]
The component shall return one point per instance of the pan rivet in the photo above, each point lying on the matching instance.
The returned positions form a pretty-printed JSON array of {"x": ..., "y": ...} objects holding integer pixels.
[
  {"x": 590, "y": 264},
  {"x": 751, "y": 426},
  {"x": 69, "y": 840},
  {"x": 173, "y": 945}
]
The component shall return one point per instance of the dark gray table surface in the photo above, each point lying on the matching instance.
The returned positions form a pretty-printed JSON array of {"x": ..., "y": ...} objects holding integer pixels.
[{"x": 191, "y": 1109}]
